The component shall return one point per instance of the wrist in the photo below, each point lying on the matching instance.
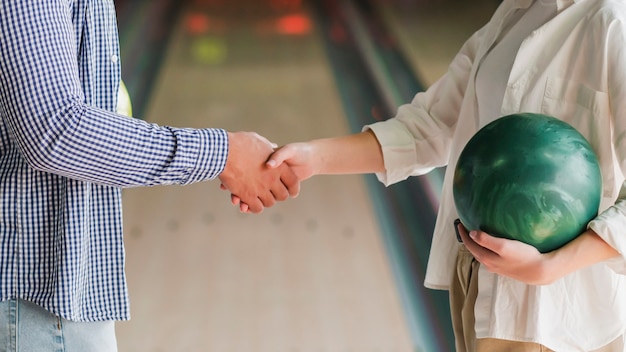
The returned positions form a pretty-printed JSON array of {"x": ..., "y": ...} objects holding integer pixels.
[
  {"x": 585, "y": 250},
  {"x": 229, "y": 170},
  {"x": 317, "y": 153},
  {"x": 552, "y": 267}
]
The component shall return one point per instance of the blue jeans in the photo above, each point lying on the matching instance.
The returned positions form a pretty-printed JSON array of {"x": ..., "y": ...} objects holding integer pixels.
[{"x": 26, "y": 327}]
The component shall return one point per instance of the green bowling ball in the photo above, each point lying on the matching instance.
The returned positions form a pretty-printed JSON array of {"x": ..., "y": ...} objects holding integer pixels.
[{"x": 528, "y": 177}]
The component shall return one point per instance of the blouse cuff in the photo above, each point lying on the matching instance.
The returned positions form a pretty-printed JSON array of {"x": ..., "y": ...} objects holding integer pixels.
[{"x": 610, "y": 225}]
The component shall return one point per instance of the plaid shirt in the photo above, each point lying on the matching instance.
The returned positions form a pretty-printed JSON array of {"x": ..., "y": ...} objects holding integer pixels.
[{"x": 65, "y": 155}]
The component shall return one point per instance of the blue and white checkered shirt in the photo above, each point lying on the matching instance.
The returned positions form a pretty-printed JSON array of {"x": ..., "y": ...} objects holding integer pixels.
[{"x": 65, "y": 155}]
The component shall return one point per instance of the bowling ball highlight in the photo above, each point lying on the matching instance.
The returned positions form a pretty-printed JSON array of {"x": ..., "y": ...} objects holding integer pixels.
[{"x": 528, "y": 177}]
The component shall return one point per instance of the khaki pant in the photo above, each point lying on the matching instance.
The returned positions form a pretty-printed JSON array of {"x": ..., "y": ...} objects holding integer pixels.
[{"x": 463, "y": 292}]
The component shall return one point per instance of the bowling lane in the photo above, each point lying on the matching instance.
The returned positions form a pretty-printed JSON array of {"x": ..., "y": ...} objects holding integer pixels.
[{"x": 310, "y": 274}]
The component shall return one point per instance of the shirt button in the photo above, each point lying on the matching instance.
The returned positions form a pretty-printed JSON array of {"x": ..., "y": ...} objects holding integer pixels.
[{"x": 114, "y": 58}]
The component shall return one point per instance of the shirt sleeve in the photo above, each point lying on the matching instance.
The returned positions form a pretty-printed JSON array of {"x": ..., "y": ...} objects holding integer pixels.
[
  {"x": 418, "y": 138},
  {"x": 44, "y": 110},
  {"x": 610, "y": 225}
]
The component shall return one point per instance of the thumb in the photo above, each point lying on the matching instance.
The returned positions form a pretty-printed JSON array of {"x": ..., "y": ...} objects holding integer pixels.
[{"x": 278, "y": 157}]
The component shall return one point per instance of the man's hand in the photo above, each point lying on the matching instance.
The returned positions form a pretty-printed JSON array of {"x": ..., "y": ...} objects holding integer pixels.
[
  {"x": 298, "y": 157},
  {"x": 247, "y": 176}
]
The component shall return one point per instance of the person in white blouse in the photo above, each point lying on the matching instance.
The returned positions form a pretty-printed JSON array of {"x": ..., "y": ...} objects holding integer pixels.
[{"x": 563, "y": 58}]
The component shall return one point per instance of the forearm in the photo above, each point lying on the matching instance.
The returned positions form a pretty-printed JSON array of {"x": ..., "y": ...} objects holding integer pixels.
[
  {"x": 585, "y": 250},
  {"x": 353, "y": 154},
  {"x": 102, "y": 147},
  {"x": 525, "y": 263},
  {"x": 63, "y": 123}
]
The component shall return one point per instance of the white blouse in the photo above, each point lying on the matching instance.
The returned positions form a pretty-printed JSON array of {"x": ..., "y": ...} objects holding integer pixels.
[{"x": 573, "y": 67}]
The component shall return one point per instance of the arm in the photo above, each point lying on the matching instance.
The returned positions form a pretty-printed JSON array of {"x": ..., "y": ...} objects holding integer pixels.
[
  {"x": 61, "y": 124},
  {"x": 353, "y": 154},
  {"x": 60, "y": 121},
  {"x": 525, "y": 263}
]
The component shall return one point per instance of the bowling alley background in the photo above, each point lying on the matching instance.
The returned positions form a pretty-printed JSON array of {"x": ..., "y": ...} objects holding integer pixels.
[{"x": 341, "y": 267}]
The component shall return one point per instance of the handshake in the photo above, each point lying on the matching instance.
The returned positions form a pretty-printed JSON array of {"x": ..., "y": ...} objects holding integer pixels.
[{"x": 257, "y": 176}]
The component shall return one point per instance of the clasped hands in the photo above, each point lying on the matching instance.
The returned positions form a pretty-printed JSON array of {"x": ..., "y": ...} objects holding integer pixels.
[{"x": 253, "y": 184}]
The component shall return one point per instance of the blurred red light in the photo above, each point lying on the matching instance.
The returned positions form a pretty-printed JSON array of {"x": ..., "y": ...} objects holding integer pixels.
[
  {"x": 197, "y": 23},
  {"x": 293, "y": 25}
]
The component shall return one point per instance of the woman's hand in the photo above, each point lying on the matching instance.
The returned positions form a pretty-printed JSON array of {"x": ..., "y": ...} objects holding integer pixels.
[
  {"x": 510, "y": 258},
  {"x": 525, "y": 263}
]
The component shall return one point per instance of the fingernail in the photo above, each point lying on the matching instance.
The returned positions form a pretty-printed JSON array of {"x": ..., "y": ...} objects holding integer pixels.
[
  {"x": 472, "y": 234},
  {"x": 271, "y": 163}
]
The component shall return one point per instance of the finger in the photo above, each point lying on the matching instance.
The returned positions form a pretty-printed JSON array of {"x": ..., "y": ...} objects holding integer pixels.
[
  {"x": 279, "y": 191},
  {"x": 267, "y": 199},
  {"x": 466, "y": 239},
  {"x": 294, "y": 188},
  {"x": 278, "y": 157},
  {"x": 235, "y": 200},
  {"x": 254, "y": 205},
  {"x": 243, "y": 207},
  {"x": 494, "y": 244},
  {"x": 479, "y": 252},
  {"x": 290, "y": 181}
]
